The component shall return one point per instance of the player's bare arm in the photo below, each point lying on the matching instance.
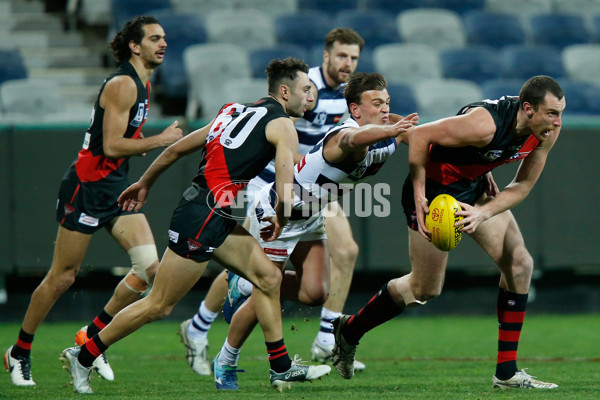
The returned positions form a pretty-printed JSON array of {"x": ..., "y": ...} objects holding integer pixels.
[
  {"x": 134, "y": 197},
  {"x": 526, "y": 177},
  {"x": 118, "y": 96},
  {"x": 281, "y": 133},
  {"x": 357, "y": 140},
  {"x": 476, "y": 128}
]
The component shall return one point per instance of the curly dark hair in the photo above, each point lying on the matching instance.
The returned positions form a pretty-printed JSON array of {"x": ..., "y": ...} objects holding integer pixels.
[{"x": 133, "y": 30}]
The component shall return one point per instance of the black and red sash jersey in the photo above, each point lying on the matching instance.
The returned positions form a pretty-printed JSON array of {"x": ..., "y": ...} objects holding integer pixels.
[
  {"x": 237, "y": 148},
  {"x": 91, "y": 164},
  {"x": 448, "y": 165}
]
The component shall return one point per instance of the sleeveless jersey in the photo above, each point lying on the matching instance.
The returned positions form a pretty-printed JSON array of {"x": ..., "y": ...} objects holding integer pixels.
[
  {"x": 451, "y": 165},
  {"x": 319, "y": 181},
  {"x": 237, "y": 148},
  {"x": 91, "y": 164},
  {"x": 328, "y": 112}
]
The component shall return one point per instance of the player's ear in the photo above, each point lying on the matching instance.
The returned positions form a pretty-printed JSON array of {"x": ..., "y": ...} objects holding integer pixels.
[
  {"x": 134, "y": 47},
  {"x": 284, "y": 92},
  {"x": 355, "y": 110}
]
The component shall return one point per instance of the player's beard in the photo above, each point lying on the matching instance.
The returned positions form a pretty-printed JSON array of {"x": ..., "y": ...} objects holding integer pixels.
[{"x": 335, "y": 74}]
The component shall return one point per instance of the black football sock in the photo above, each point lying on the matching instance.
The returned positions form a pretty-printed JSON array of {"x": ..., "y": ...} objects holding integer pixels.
[
  {"x": 511, "y": 314},
  {"x": 379, "y": 309}
]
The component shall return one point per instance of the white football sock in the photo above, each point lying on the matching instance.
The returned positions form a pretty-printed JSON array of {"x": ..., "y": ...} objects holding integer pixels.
[
  {"x": 325, "y": 335},
  {"x": 229, "y": 355},
  {"x": 201, "y": 322}
]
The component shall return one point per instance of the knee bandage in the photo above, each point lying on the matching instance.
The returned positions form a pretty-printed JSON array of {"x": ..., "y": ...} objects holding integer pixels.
[
  {"x": 142, "y": 257},
  {"x": 403, "y": 287}
]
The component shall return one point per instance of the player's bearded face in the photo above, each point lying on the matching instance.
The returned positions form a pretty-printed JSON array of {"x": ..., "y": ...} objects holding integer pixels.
[{"x": 342, "y": 61}]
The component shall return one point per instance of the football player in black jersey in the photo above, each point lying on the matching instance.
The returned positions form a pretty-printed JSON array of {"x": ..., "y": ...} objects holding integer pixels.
[
  {"x": 91, "y": 186},
  {"x": 455, "y": 155},
  {"x": 235, "y": 146}
]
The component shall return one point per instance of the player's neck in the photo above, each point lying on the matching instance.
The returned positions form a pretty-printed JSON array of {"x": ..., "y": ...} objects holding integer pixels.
[{"x": 143, "y": 71}]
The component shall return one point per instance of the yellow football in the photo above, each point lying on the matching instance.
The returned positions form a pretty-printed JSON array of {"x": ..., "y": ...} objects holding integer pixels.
[{"x": 440, "y": 222}]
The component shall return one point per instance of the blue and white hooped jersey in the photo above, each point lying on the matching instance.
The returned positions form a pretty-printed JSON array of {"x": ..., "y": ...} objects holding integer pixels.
[
  {"x": 317, "y": 180},
  {"x": 328, "y": 112}
]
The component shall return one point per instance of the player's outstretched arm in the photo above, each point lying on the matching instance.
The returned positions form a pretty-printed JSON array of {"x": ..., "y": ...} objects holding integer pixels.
[{"x": 135, "y": 195}]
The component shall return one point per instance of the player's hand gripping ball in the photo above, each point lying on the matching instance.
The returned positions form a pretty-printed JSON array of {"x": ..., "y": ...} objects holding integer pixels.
[{"x": 440, "y": 222}]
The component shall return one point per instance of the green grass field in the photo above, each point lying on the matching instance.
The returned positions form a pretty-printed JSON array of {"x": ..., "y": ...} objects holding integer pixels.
[{"x": 408, "y": 358}]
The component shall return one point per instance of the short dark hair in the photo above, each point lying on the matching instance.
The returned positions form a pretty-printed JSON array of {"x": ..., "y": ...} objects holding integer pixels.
[
  {"x": 535, "y": 89},
  {"x": 343, "y": 36},
  {"x": 283, "y": 71},
  {"x": 133, "y": 30},
  {"x": 361, "y": 82}
]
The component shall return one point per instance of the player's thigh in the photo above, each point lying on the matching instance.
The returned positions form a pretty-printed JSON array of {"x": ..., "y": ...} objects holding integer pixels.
[
  {"x": 310, "y": 260},
  {"x": 500, "y": 237},
  {"x": 175, "y": 277},
  {"x": 69, "y": 250},
  {"x": 337, "y": 226},
  {"x": 427, "y": 261},
  {"x": 131, "y": 230},
  {"x": 242, "y": 254}
]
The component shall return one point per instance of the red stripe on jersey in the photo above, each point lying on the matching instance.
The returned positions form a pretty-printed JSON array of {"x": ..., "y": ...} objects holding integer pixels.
[
  {"x": 92, "y": 168},
  {"x": 217, "y": 175},
  {"x": 512, "y": 317},
  {"x": 446, "y": 173}
]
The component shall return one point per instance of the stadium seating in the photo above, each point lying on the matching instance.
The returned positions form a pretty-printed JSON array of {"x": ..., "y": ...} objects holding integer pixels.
[
  {"x": 245, "y": 90},
  {"x": 586, "y": 9},
  {"x": 559, "y": 30},
  {"x": 528, "y": 7},
  {"x": 182, "y": 30},
  {"x": 243, "y": 27},
  {"x": 207, "y": 67},
  {"x": 261, "y": 57},
  {"x": 376, "y": 27},
  {"x": 21, "y": 99},
  {"x": 124, "y": 10},
  {"x": 392, "y": 7},
  {"x": 493, "y": 29},
  {"x": 95, "y": 12},
  {"x": 582, "y": 62},
  {"x": 407, "y": 62},
  {"x": 330, "y": 6},
  {"x": 523, "y": 62},
  {"x": 272, "y": 8},
  {"x": 305, "y": 28},
  {"x": 459, "y": 6},
  {"x": 583, "y": 98},
  {"x": 12, "y": 65},
  {"x": 473, "y": 63},
  {"x": 439, "y": 98},
  {"x": 365, "y": 62},
  {"x": 435, "y": 27},
  {"x": 201, "y": 7},
  {"x": 402, "y": 99},
  {"x": 496, "y": 88}
]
